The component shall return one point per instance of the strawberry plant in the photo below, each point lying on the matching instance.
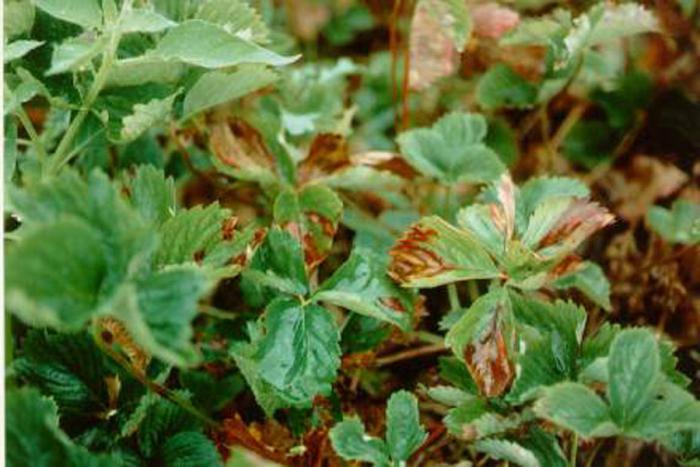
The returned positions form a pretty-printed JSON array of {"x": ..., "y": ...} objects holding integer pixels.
[{"x": 321, "y": 232}]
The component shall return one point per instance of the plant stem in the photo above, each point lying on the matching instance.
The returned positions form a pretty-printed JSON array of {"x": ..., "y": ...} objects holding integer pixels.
[
  {"x": 62, "y": 155},
  {"x": 429, "y": 337},
  {"x": 411, "y": 353},
  {"x": 453, "y": 296},
  {"x": 151, "y": 385},
  {"x": 574, "y": 450}
]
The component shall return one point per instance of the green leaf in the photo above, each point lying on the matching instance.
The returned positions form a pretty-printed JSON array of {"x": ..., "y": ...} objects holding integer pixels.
[
  {"x": 153, "y": 195},
  {"x": 69, "y": 368},
  {"x": 237, "y": 17},
  {"x": 191, "y": 235},
  {"x": 590, "y": 142},
  {"x": 351, "y": 442},
  {"x": 143, "y": 20},
  {"x": 54, "y": 275},
  {"x": 85, "y": 13},
  {"x": 634, "y": 372},
  {"x": 299, "y": 354},
  {"x": 361, "y": 285},
  {"x": 590, "y": 279},
  {"x": 404, "y": 433},
  {"x": 218, "y": 87},
  {"x": 672, "y": 409},
  {"x": 143, "y": 69},
  {"x": 18, "y": 49},
  {"x": 501, "y": 87},
  {"x": 33, "y": 436},
  {"x": 189, "y": 448},
  {"x": 433, "y": 252},
  {"x": 680, "y": 224},
  {"x": 209, "y": 391},
  {"x": 74, "y": 54},
  {"x": 502, "y": 138},
  {"x": 162, "y": 420},
  {"x": 452, "y": 150},
  {"x": 454, "y": 371},
  {"x": 204, "y": 44},
  {"x": 18, "y": 17},
  {"x": 509, "y": 451},
  {"x": 145, "y": 116},
  {"x": 577, "y": 408},
  {"x": 278, "y": 265}
]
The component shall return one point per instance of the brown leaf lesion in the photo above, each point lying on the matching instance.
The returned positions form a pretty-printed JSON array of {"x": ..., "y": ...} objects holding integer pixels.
[
  {"x": 411, "y": 259},
  {"x": 239, "y": 145},
  {"x": 113, "y": 331},
  {"x": 488, "y": 361},
  {"x": 578, "y": 222}
]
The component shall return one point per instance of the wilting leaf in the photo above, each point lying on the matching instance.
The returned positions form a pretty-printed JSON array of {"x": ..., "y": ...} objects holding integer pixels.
[
  {"x": 492, "y": 20},
  {"x": 452, "y": 150},
  {"x": 439, "y": 30},
  {"x": 241, "y": 151},
  {"x": 433, "y": 252},
  {"x": 483, "y": 338}
]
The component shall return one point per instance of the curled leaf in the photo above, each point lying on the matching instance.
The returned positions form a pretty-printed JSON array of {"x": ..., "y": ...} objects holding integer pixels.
[{"x": 240, "y": 151}]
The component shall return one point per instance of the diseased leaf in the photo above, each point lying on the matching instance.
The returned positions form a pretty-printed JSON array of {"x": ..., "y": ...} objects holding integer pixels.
[
  {"x": 299, "y": 354},
  {"x": 452, "y": 150},
  {"x": 404, "y": 434},
  {"x": 361, "y": 285},
  {"x": 208, "y": 45},
  {"x": 433, "y": 252},
  {"x": 483, "y": 339}
]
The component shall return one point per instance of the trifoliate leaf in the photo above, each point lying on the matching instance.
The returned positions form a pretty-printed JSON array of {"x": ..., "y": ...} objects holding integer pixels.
[
  {"x": 577, "y": 408},
  {"x": 452, "y": 150},
  {"x": 680, "y": 224},
  {"x": 483, "y": 338},
  {"x": 351, "y": 442},
  {"x": 634, "y": 372},
  {"x": 299, "y": 354},
  {"x": 361, "y": 285},
  {"x": 404, "y": 433},
  {"x": 208, "y": 45},
  {"x": 85, "y": 13},
  {"x": 145, "y": 116},
  {"x": 218, "y": 87},
  {"x": 500, "y": 87},
  {"x": 433, "y": 252}
]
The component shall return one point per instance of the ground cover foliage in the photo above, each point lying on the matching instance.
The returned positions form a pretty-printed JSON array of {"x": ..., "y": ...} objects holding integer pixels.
[{"x": 343, "y": 232}]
